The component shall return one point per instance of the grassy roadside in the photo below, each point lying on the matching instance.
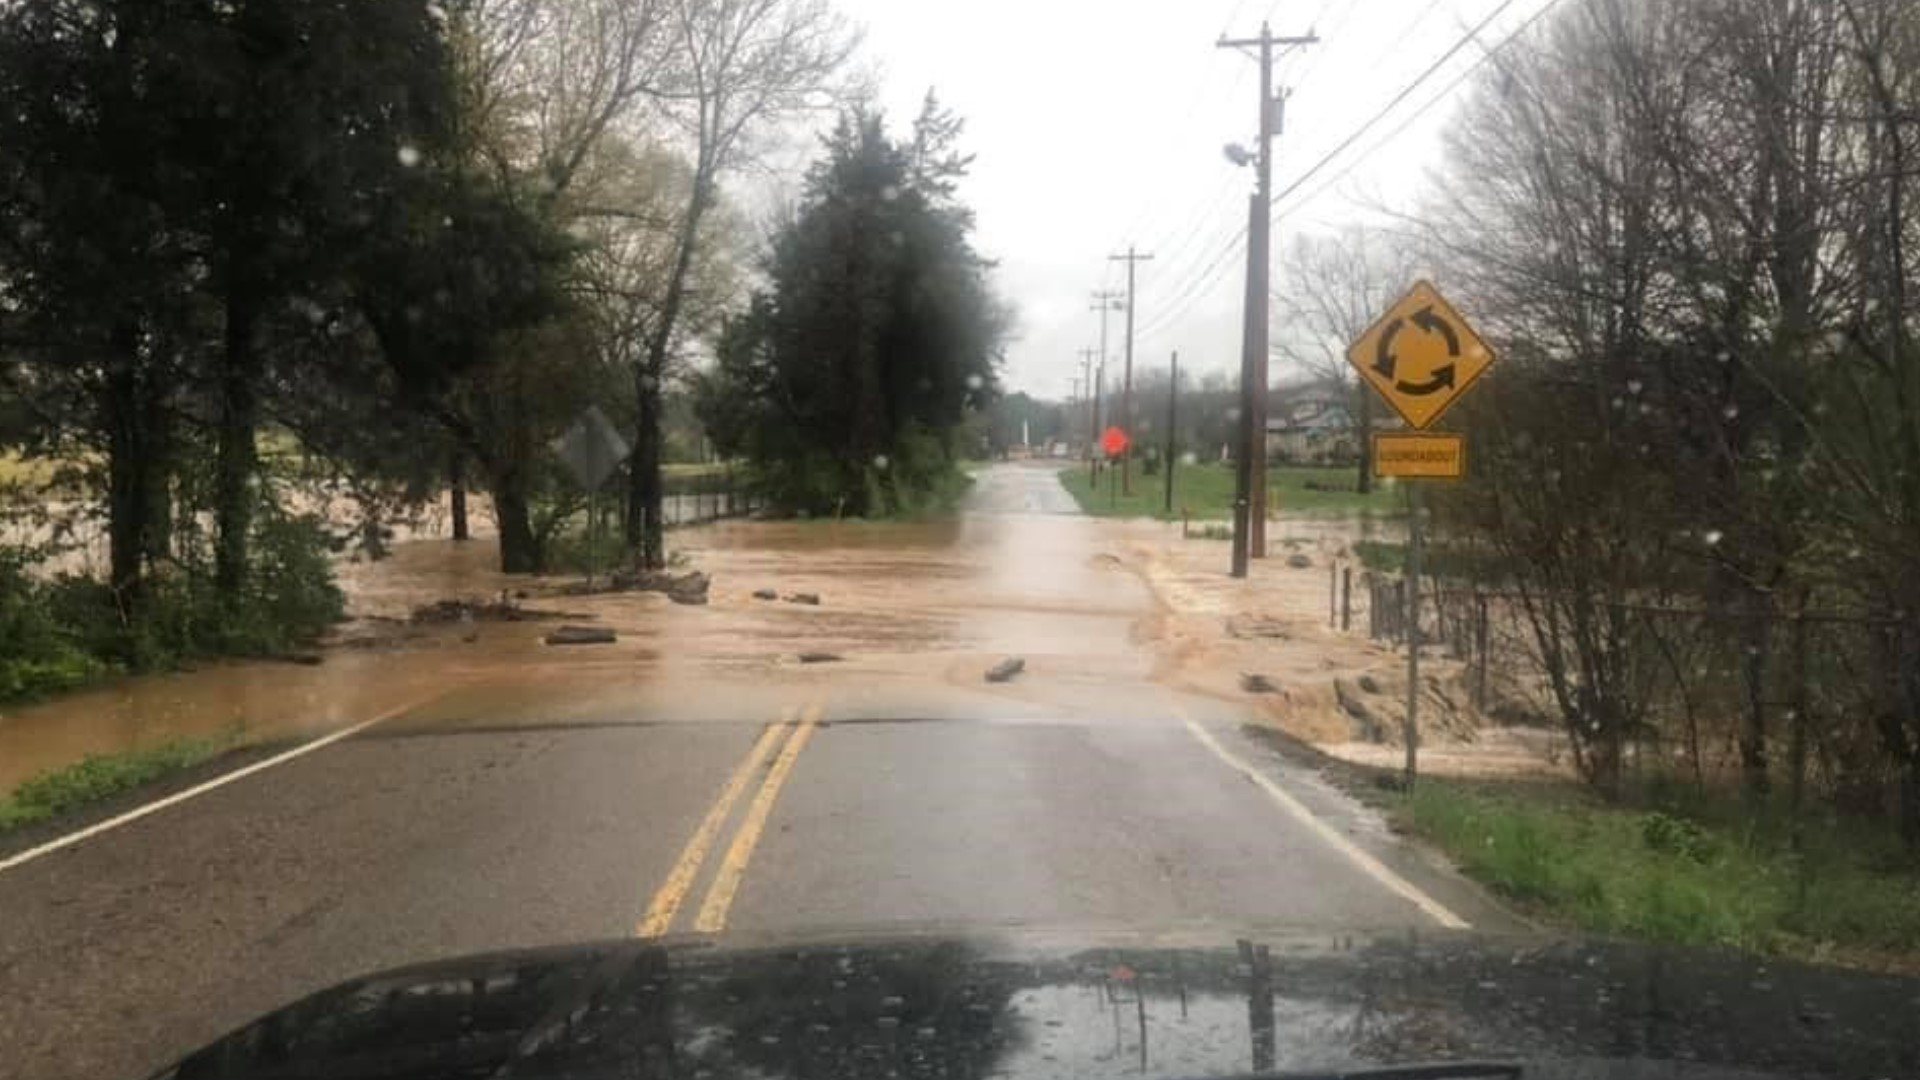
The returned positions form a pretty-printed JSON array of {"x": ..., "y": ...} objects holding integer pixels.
[
  {"x": 102, "y": 776},
  {"x": 1670, "y": 864},
  {"x": 1702, "y": 874},
  {"x": 1698, "y": 877},
  {"x": 1206, "y": 492}
]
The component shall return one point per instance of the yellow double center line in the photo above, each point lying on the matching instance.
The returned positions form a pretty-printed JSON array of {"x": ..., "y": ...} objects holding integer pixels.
[{"x": 673, "y": 893}]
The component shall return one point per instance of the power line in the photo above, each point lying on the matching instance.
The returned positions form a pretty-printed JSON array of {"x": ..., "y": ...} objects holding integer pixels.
[
  {"x": 1405, "y": 92},
  {"x": 1318, "y": 59},
  {"x": 1444, "y": 93},
  {"x": 1196, "y": 238},
  {"x": 1197, "y": 286},
  {"x": 1200, "y": 92}
]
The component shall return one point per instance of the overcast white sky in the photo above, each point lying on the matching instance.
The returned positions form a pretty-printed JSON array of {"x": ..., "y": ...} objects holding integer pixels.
[{"x": 1099, "y": 122}]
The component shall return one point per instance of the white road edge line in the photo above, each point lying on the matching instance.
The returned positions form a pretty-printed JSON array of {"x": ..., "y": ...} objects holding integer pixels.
[
  {"x": 1371, "y": 866},
  {"x": 197, "y": 790}
]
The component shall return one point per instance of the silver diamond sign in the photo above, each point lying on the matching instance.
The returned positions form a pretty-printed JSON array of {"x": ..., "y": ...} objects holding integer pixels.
[{"x": 591, "y": 448}]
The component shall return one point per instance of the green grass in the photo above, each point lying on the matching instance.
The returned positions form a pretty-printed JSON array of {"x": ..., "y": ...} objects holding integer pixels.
[
  {"x": 1715, "y": 877},
  {"x": 1390, "y": 557},
  {"x": 1206, "y": 491},
  {"x": 101, "y": 776}
]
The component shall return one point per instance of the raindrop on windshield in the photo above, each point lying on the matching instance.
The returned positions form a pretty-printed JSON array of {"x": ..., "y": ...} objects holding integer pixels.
[
  {"x": 880, "y": 462},
  {"x": 890, "y": 193},
  {"x": 409, "y": 156},
  {"x": 1711, "y": 536},
  {"x": 1731, "y": 412},
  {"x": 1633, "y": 386}
]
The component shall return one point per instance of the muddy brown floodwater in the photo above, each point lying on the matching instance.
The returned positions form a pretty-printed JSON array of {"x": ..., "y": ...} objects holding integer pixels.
[
  {"x": 910, "y": 616},
  {"x": 908, "y": 611}
]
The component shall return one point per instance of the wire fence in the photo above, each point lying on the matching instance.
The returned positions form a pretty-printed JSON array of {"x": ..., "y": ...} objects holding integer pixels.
[
  {"x": 1813, "y": 702},
  {"x": 699, "y": 498}
]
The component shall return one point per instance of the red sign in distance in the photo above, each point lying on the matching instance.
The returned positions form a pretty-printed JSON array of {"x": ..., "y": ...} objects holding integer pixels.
[{"x": 1114, "y": 442}]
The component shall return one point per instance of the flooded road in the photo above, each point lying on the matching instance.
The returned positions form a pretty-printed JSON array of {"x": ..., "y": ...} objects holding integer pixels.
[
  {"x": 906, "y": 607},
  {"x": 697, "y": 777}
]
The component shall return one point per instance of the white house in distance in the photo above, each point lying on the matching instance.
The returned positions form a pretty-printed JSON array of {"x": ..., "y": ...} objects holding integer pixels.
[{"x": 1312, "y": 423}]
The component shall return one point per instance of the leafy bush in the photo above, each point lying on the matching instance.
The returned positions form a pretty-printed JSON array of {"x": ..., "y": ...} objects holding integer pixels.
[
  {"x": 1670, "y": 835},
  {"x": 69, "y": 631},
  {"x": 38, "y": 654}
]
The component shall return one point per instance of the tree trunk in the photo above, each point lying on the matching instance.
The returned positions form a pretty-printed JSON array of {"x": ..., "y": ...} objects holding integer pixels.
[
  {"x": 236, "y": 456},
  {"x": 1753, "y": 737},
  {"x": 650, "y": 494},
  {"x": 129, "y": 499},
  {"x": 457, "y": 494},
  {"x": 645, "y": 490},
  {"x": 1365, "y": 431},
  {"x": 519, "y": 548}
]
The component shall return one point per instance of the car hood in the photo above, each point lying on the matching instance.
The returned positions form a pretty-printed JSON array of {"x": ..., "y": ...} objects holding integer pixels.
[{"x": 1028, "y": 1006}]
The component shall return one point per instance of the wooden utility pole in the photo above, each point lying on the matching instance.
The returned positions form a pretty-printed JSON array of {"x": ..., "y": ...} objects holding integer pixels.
[
  {"x": 1173, "y": 419},
  {"x": 1093, "y": 418},
  {"x": 1244, "y": 453},
  {"x": 1132, "y": 258},
  {"x": 1259, "y": 260},
  {"x": 1099, "y": 390},
  {"x": 1410, "y": 731}
]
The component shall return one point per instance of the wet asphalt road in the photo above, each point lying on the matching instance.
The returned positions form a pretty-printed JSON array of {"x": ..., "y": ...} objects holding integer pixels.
[{"x": 1094, "y": 799}]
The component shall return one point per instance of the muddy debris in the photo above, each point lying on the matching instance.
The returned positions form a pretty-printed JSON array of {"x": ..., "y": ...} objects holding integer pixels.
[
  {"x": 1257, "y": 626},
  {"x": 810, "y": 599},
  {"x": 1369, "y": 724},
  {"x": 1376, "y": 709},
  {"x": 765, "y": 594},
  {"x": 820, "y": 658},
  {"x": 582, "y": 635},
  {"x": 686, "y": 589},
  {"x": 467, "y": 612},
  {"x": 1005, "y": 670},
  {"x": 1257, "y": 684}
]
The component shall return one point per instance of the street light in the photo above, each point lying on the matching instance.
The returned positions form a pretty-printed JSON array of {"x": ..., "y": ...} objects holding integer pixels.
[{"x": 1239, "y": 155}]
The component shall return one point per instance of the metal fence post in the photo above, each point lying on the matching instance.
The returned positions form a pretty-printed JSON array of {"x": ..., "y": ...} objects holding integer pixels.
[{"x": 1346, "y": 598}]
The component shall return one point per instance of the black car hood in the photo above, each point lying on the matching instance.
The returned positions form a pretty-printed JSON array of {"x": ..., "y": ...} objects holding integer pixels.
[{"x": 961, "y": 1008}]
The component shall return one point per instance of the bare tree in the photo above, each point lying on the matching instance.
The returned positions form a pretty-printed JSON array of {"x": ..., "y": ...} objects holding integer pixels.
[
  {"x": 1332, "y": 288},
  {"x": 740, "y": 65}
]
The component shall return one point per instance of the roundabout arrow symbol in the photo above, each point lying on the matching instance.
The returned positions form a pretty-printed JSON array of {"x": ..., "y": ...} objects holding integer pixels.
[
  {"x": 1385, "y": 363},
  {"x": 1442, "y": 380},
  {"x": 1383, "y": 360},
  {"x": 1427, "y": 321}
]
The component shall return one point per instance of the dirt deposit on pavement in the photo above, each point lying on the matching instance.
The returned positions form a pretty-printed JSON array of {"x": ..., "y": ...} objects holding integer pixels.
[{"x": 1339, "y": 690}]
